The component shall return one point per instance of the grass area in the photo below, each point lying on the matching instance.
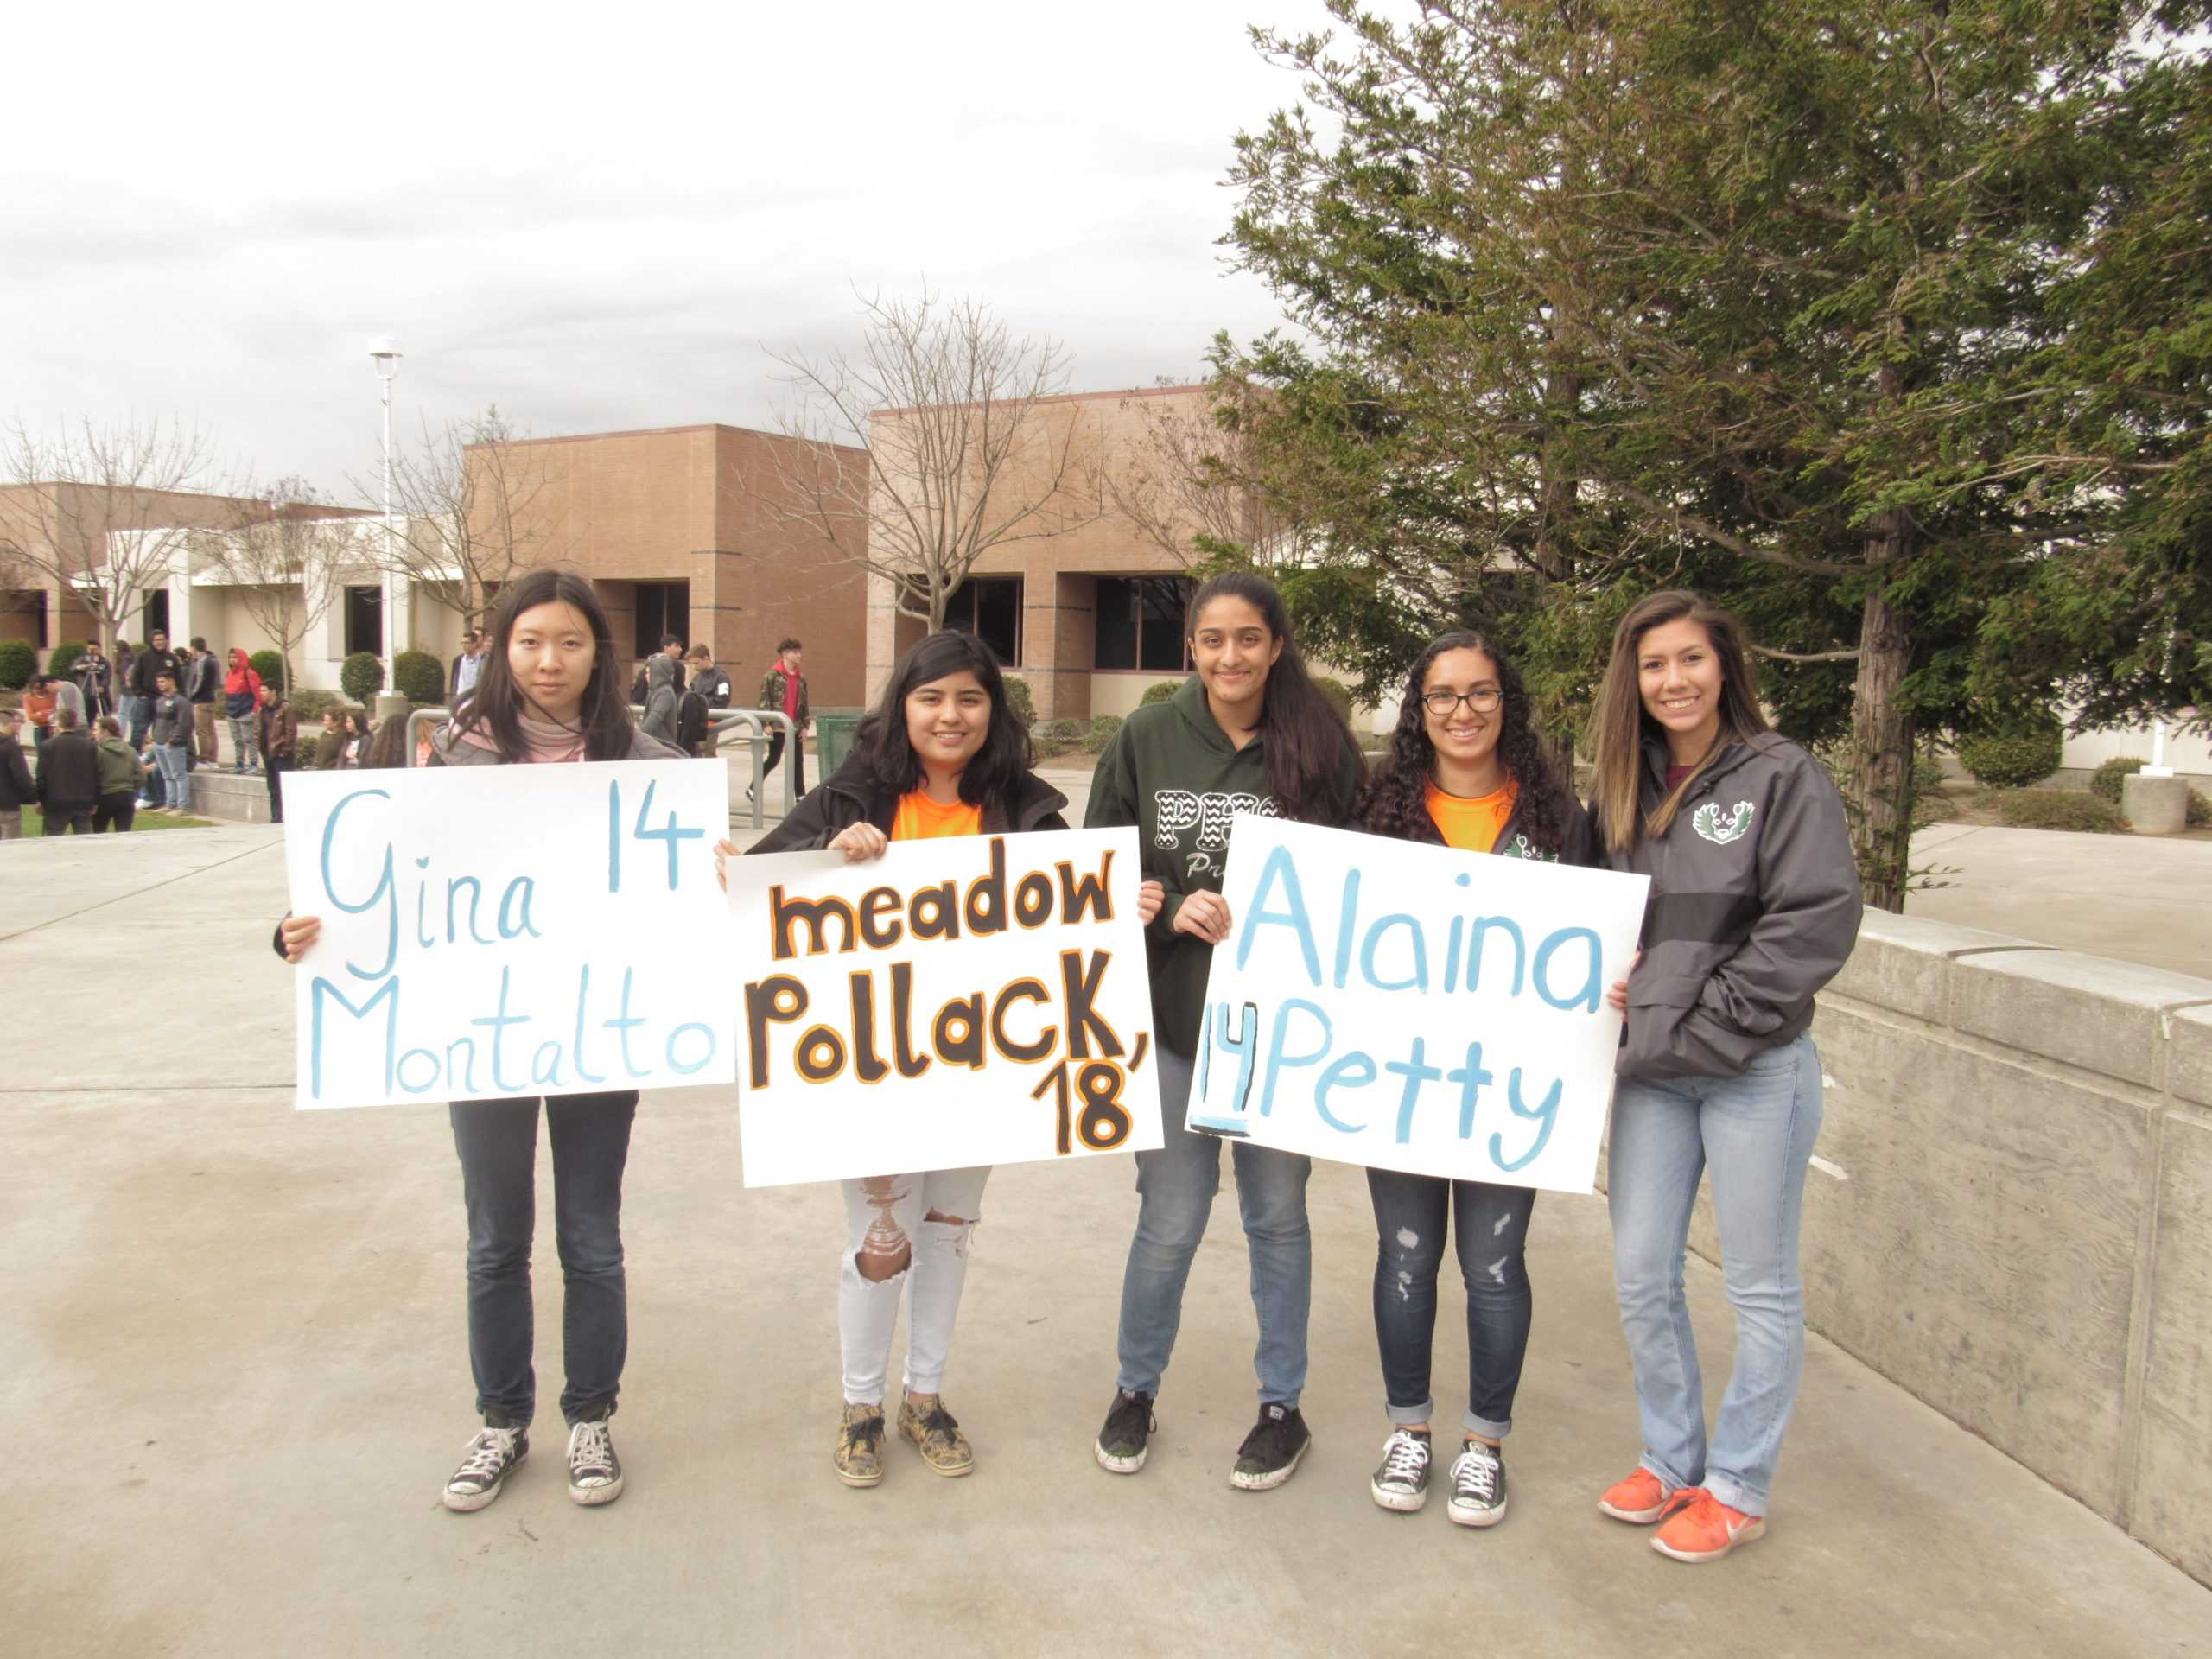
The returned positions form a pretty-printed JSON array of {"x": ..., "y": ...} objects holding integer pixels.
[{"x": 35, "y": 823}]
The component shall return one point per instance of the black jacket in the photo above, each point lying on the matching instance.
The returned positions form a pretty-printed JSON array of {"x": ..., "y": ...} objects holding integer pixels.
[
  {"x": 1754, "y": 906},
  {"x": 853, "y": 795},
  {"x": 16, "y": 788},
  {"x": 147, "y": 669},
  {"x": 204, "y": 679},
  {"x": 68, "y": 773}
]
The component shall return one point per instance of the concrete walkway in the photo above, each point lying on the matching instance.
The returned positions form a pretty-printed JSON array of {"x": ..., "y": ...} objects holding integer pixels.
[{"x": 236, "y": 1376}]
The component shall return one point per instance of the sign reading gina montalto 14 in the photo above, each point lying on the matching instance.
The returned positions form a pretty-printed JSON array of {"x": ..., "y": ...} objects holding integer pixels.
[
  {"x": 1413, "y": 1007},
  {"x": 502, "y": 931},
  {"x": 972, "y": 1000}
]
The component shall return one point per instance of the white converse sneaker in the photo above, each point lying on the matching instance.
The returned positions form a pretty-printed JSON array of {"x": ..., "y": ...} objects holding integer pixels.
[
  {"x": 1402, "y": 1483},
  {"x": 490, "y": 1459},
  {"x": 1477, "y": 1485},
  {"x": 594, "y": 1472}
]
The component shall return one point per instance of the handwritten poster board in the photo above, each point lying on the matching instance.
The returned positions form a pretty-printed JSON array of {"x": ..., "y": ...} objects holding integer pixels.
[
  {"x": 973, "y": 1000},
  {"x": 1412, "y": 1007},
  {"x": 506, "y": 931}
]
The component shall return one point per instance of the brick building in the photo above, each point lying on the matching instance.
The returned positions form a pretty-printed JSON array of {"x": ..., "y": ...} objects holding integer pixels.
[{"x": 670, "y": 524}]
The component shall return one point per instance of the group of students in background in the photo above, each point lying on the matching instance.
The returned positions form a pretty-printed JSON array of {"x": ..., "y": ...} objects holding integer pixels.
[{"x": 1754, "y": 905}]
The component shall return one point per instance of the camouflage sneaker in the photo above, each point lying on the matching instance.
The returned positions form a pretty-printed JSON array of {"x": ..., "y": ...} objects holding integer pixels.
[
  {"x": 935, "y": 1432},
  {"x": 859, "y": 1456}
]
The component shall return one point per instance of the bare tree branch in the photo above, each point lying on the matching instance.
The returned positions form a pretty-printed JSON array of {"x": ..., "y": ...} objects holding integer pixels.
[
  {"x": 1768, "y": 652},
  {"x": 961, "y": 458},
  {"x": 1188, "y": 489},
  {"x": 289, "y": 560}
]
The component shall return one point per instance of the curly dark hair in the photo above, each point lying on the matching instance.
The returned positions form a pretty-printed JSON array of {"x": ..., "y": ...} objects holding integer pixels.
[
  {"x": 1394, "y": 803},
  {"x": 881, "y": 747}
]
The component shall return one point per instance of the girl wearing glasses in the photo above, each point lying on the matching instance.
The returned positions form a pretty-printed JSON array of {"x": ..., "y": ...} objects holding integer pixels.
[{"x": 1465, "y": 769}]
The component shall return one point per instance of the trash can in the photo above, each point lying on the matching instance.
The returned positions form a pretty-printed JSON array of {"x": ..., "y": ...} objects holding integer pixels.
[{"x": 833, "y": 738}]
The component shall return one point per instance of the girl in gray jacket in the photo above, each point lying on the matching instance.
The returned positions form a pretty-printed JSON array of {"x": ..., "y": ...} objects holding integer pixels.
[{"x": 1754, "y": 906}]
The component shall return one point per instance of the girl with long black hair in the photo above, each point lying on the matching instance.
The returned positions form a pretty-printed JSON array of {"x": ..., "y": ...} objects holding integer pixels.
[
  {"x": 549, "y": 693},
  {"x": 1250, "y": 731},
  {"x": 1466, "y": 769},
  {"x": 943, "y": 752}
]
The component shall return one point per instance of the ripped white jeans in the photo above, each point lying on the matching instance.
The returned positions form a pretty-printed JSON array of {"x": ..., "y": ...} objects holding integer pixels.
[{"x": 904, "y": 1233}]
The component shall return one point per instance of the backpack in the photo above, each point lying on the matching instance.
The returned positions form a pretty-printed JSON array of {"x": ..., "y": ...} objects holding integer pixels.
[
  {"x": 691, "y": 723},
  {"x": 637, "y": 690}
]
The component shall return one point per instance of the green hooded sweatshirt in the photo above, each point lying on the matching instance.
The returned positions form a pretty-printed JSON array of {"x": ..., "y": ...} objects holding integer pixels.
[{"x": 1173, "y": 771}]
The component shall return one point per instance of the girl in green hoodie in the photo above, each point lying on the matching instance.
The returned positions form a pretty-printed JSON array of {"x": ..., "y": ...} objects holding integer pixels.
[{"x": 1249, "y": 733}]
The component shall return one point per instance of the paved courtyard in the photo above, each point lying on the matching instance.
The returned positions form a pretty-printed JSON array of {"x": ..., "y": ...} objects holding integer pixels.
[{"x": 236, "y": 1375}]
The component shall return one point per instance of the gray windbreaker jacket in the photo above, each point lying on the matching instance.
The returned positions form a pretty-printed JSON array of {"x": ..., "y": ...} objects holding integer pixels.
[{"x": 1754, "y": 906}]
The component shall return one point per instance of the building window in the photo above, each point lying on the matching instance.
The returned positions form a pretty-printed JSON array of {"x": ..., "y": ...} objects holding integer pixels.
[
  {"x": 991, "y": 608},
  {"x": 156, "y": 616},
  {"x": 30, "y": 607},
  {"x": 365, "y": 620},
  {"x": 1139, "y": 623},
  {"x": 662, "y": 608}
]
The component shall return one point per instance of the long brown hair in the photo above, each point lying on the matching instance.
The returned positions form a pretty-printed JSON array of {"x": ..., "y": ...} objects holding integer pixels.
[
  {"x": 1308, "y": 745},
  {"x": 1623, "y": 724}
]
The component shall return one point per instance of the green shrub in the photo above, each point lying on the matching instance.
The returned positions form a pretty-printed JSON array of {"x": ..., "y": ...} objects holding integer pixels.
[
  {"x": 2105, "y": 781},
  {"x": 2200, "y": 810},
  {"x": 2059, "y": 809},
  {"x": 18, "y": 662},
  {"x": 311, "y": 704},
  {"x": 62, "y": 657},
  {"x": 1338, "y": 695},
  {"x": 1159, "y": 691},
  {"x": 1067, "y": 731},
  {"x": 361, "y": 676},
  {"x": 1019, "y": 700},
  {"x": 1103, "y": 727},
  {"x": 419, "y": 678},
  {"x": 2015, "y": 756},
  {"x": 269, "y": 664}
]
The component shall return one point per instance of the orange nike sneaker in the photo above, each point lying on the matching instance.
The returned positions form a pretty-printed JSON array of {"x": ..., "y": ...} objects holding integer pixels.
[
  {"x": 1702, "y": 1528},
  {"x": 1641, "y": 1498}
]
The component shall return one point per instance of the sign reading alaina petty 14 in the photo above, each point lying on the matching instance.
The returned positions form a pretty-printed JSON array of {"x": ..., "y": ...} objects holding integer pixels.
[
  {"x": 504, "y": 930},
  {"x": 1413, "y": 1007}
]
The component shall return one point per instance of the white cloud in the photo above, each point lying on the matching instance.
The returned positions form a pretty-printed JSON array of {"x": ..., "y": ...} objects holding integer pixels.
[{"x": 595, "y": 216}]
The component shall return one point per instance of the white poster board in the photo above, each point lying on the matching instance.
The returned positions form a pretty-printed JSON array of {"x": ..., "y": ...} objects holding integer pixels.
[
  {"x": 1412, "y": 1007},
  {"x": 490, "y": 931},
  {"x": 968, "y": 999}
]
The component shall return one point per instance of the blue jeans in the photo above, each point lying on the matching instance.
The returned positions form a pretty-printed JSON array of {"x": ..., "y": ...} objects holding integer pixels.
[
  {"x": 1490, "y": 1226},
  {"x": 1755, "y": 1133},
  {"x": 1175, "y": 1190},
  {"x": 497, "y": 1143},
  {"x": 176, "y": 779},
  {"x": 138, "y": 719}
]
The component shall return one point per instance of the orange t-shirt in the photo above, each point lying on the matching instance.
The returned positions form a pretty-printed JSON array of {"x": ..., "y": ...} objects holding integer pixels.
[
  {"x": 921, "y": 818},
  {"x": 1472, "y": 825}
]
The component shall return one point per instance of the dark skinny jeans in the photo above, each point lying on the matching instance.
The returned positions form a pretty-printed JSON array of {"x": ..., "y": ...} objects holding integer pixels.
[
  {"x": 1491, "y": 1224},
  {"x": 497, "y": 1143}
]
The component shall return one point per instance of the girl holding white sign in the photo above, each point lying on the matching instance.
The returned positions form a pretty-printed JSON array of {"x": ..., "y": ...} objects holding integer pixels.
[
  {"x": 549, "y": 692},
  {"x": 1754, "y": 906},
  {"x": 1249, "y": 732},
  {"x": 1466, "y": 769},
  {"x": 943, "y": 753}
]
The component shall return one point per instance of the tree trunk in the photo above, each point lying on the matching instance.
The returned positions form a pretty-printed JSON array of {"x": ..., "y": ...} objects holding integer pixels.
[{"x": 1879, "y": 796}]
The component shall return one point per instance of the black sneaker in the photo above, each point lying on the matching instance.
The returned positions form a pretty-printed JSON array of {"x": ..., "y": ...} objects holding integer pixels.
[
  {"x": 594, "y": 1472},
  {"x": 1402, "y": 1483},
  {"x": 484, "y": 1469},
  {"x": 1125, "y": 1441},
  {"x": 1478, "y": 1485},
  {"x": 1270, "y": 1453}
]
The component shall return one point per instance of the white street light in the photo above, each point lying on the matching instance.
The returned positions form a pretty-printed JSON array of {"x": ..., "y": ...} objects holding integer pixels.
[{"x": 384, "y": 352}]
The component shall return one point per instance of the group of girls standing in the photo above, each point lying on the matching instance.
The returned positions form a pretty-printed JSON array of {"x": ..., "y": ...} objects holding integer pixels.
[{"x": 1754, "y": 905}]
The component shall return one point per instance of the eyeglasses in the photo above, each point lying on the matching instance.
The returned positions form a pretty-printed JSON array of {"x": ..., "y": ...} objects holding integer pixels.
[{"x": 1444, "y": 704}]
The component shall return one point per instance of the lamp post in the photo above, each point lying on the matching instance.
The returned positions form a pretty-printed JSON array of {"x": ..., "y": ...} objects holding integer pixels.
[{"x": 383, "y": 352}]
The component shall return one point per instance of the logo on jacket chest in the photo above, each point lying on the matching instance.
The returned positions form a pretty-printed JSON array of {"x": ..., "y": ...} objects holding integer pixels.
[
  {"x": 1708, "y": 822},
  {"x": 1176, "y": 810}
]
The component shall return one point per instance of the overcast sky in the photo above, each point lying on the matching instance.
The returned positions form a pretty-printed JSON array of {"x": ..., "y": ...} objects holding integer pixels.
[{"x": 595, "y": 217}]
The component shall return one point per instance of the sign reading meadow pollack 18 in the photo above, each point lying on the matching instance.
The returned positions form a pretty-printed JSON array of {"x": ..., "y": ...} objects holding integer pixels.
[
  {"x": 970, "y": 1000},
  {"x": 504, "y": 930},
  {"x": 1413, "y": 1007}
]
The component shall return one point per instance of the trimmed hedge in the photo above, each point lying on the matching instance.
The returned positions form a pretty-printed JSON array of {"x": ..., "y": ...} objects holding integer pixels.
[
  {"x": 63, "y": 658},
  {"x": 2013, "y": 757},
  {"x": 419, "y": 678},
  {"x": 18, "y": 662},
  {"x": 1019, "y": 700},
  {"x": 1159, "y": 691},
  {"x": 2105, "y": 781},
  {"x": 269, "y": 664},
  {"x": 2200, "y": 811},
  {"x": 2059, "y": 809},
  {"x": 311, "y": 704},
  {"x": 361, "y": 677},
  {"x": 1103, "y": 727}
]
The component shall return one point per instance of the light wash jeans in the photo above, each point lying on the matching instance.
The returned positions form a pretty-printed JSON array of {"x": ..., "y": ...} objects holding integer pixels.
[
  {"x": 888, "y": 1225},
  {"x": 1175, "y": 1188},
  {"x": 176, "y": 776},
  {"x": 1755, "y": 1133}
]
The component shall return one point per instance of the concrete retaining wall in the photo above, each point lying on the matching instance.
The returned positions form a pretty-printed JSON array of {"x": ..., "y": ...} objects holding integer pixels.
[{"x": 2018, "y": 1221}]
